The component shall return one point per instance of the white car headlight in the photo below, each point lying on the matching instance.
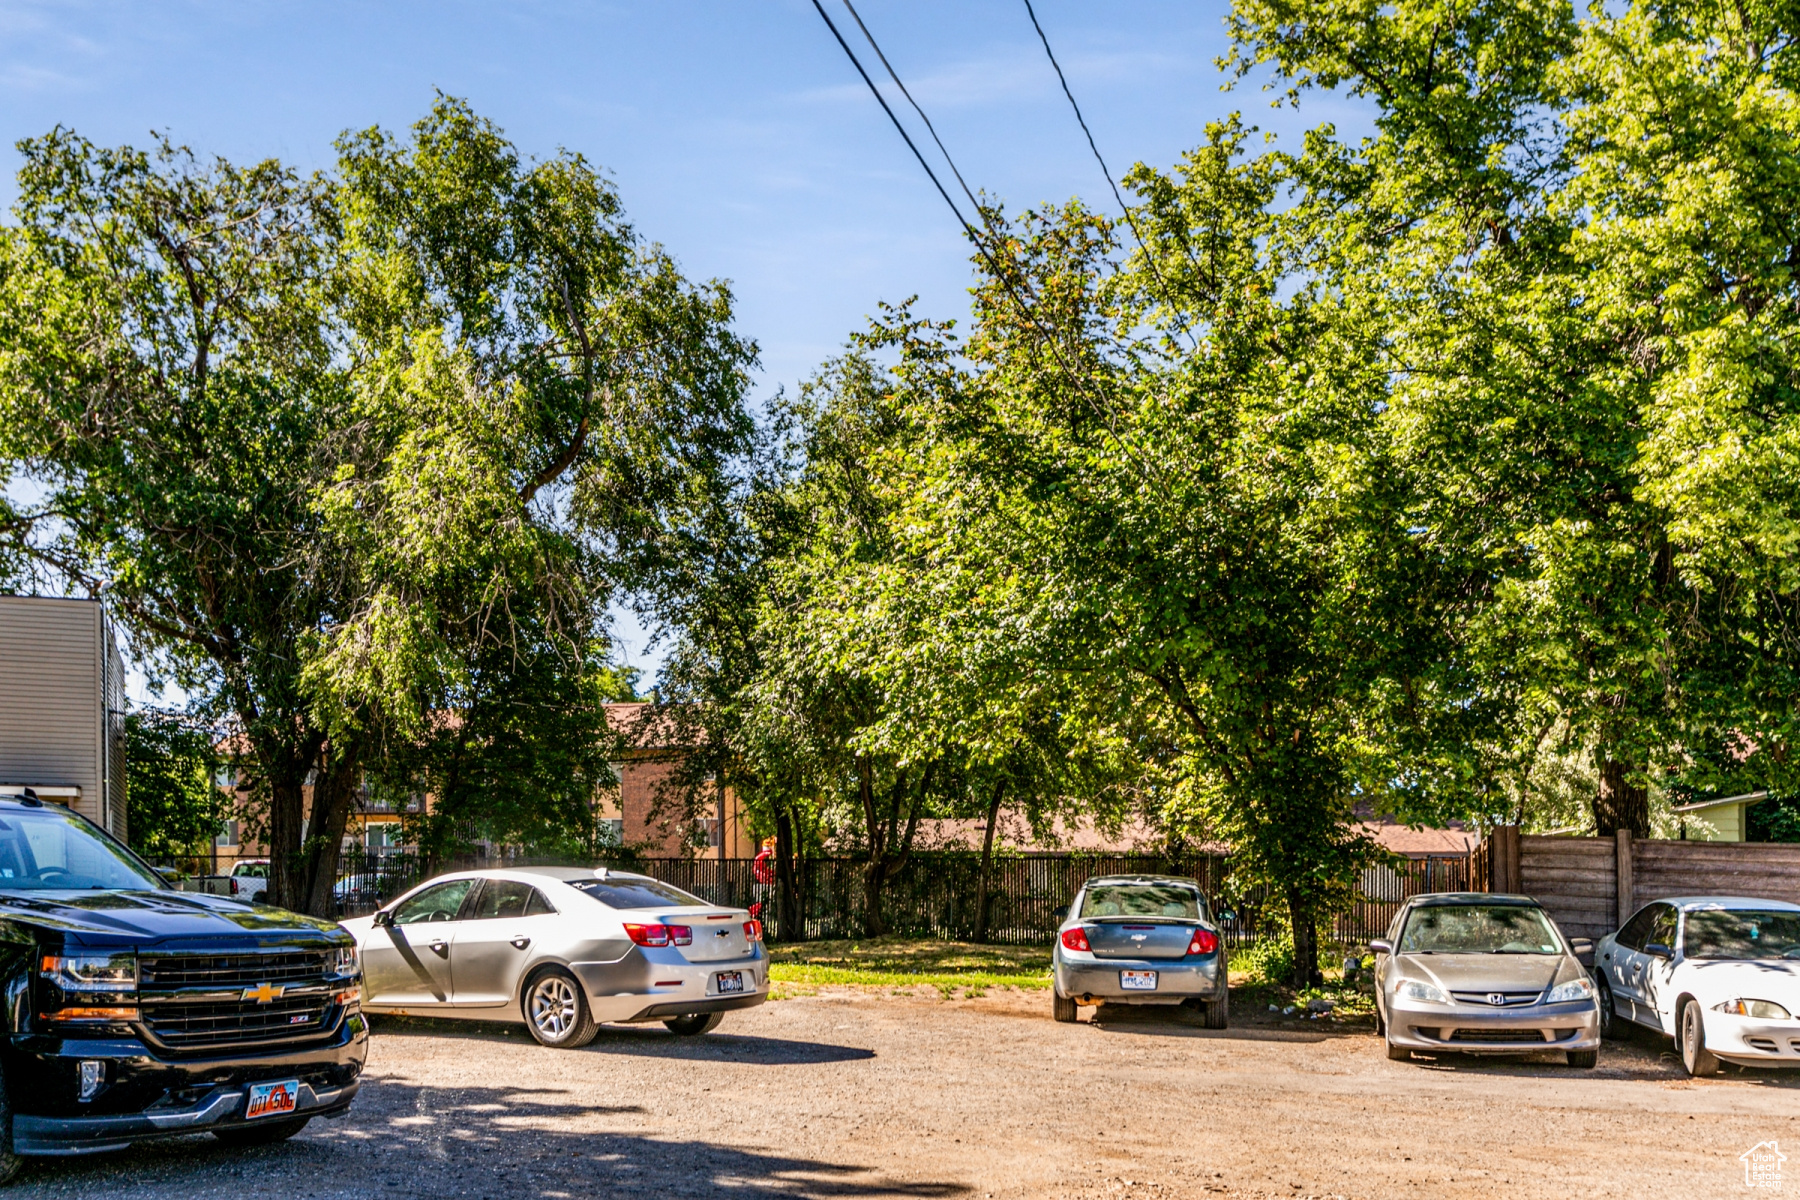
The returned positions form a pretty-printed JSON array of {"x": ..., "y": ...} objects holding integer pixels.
[
  {"x": 1763, "y": 1010},
  {"x": 1574, "y": 989},
  {"x": 1413, "y": 989}
]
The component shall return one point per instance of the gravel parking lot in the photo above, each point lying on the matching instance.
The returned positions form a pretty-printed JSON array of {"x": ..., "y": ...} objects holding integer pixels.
[{"x": 864, "y": 1093}]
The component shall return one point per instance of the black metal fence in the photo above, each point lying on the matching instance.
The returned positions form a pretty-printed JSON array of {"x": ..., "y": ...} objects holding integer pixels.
[{"x": 934, "y": 895}]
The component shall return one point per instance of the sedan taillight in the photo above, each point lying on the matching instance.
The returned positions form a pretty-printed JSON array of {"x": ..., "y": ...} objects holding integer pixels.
[
  {"x": 1075, "y": 939},
  {"x": 753, "y": 930},
  {"x": 1204, "y": 941},
  {"x": 660, "y": 935}
]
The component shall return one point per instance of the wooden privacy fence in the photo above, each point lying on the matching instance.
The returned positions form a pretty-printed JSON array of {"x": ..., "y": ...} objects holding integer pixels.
[{"x": 1590, "y": 886}]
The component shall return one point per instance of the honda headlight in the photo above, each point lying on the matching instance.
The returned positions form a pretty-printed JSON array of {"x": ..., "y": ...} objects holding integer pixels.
[
  {"x": 1574, "y": 989},
  {"x": 1413, "y": 989},
  {"x": 1762, "y": 1010}
]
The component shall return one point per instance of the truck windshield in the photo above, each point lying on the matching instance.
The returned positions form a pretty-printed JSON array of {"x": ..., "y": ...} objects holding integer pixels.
[{"x": 52, "y": 849}]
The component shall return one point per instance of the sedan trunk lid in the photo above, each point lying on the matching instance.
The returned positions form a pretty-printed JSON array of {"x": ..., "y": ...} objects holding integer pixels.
[{"x": 1139, "y": 938}]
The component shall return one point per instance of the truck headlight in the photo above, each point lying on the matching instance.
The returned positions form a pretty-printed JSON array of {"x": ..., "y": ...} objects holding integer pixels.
[
  {"x": 1574, "y": 989},
  {"x": 89, "y": 987},
  {"x": 1762, "y": 1010}
]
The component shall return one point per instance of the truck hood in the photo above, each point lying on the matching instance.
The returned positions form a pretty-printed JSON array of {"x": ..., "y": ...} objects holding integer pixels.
[{"x": 157, "y": 917}]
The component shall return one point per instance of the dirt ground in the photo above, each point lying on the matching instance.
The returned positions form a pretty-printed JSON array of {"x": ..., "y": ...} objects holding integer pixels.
[{"x": 866, "y": 1093}]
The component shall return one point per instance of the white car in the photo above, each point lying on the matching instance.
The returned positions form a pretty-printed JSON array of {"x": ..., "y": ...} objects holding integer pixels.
[
  {"x": 1719, "y": 974},
  {"x": 250, "y": 878},
  {"x": 560, "y": 950}
]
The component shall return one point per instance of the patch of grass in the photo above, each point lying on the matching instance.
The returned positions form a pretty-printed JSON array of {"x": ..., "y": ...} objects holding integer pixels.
[{"x": 895, "y": 962}]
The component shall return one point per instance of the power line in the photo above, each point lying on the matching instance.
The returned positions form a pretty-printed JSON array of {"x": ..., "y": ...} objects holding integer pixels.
[
  {"x": 1025, "y": 310},
  {"x": 1104, "y": 170}
]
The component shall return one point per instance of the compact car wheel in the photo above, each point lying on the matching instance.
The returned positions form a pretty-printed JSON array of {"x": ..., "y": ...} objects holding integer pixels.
[
  {"x": 261, "y": 1134},
  {"x": 1061, "y": 1007},
  {"x": 1694, "y": 1055},
  {"x": 1609, "y": 1027},
  {"x": 694, "y": 1024},
  {"x": 1218, "y": 1012},
  {"x": 556, "y": 1012}
]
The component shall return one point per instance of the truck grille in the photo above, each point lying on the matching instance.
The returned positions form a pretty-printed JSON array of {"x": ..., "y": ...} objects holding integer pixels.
[
  {"x": 199, "y": 1001},
  {"x": 232, "y": 970}
]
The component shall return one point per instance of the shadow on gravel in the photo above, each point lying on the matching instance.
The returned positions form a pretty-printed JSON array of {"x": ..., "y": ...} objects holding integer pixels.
[
  {"x": 649, "y": 1041},
  {"x": 403, "y": 1140}
]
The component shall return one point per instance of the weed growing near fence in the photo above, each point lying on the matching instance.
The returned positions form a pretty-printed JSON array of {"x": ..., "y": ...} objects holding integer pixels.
[{"x": 910, "y": 962}]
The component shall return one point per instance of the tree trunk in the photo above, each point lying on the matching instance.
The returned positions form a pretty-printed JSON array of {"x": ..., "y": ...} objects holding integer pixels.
[
  {"x": 333, "y": 791},
  {"x": 987, "y": 863},
  {"x": 790, "y": 925},
  {"x": 1304, "y": 923},
  {"x": 287, "y": 809},
  {"x": 876, "y": 873},
  {"x": 1620, "y": 803}
]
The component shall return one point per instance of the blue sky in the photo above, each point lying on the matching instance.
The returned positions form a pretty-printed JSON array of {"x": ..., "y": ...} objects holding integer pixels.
[{"x": 738, "y": 134}]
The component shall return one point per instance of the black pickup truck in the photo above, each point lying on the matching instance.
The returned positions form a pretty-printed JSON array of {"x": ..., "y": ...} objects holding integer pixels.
[{"x": 129, "y": 1010}]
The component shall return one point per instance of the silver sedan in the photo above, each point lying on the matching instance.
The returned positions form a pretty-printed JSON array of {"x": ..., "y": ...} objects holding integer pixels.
[
  {"x": 560, "y": 949},
  {"x": 1484, "y": 974},
  {"x": 1140, "y": 939}
]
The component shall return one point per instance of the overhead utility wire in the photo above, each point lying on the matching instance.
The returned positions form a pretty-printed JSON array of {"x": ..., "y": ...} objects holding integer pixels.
[
  {"x": 980, "y": 245},
  {"x": 1123, "y": 207}
]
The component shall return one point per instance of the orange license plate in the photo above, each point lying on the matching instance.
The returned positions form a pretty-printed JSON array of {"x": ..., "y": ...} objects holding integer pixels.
[{"x": 273, "y": 1099}]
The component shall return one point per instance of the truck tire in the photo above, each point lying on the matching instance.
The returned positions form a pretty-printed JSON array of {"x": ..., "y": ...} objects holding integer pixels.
[{"x": 262, "y": 1134}]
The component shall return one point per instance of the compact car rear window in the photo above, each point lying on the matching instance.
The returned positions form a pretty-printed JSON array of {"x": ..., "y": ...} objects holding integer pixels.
[
  {"x": 1142, "y": 900},
  {"x": 635, "y": 893}
]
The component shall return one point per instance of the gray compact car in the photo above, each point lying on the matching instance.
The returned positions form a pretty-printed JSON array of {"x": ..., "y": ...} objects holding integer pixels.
[
  {"x": 1140, "y": 939},
  {"x": 1485, "y": 974},
  {"x": 560, "y": 949}
]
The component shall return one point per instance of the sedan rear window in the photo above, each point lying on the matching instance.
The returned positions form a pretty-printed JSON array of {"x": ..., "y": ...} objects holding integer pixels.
[
  {"x": 1742, "y": 934},
  {"x": 1478, "y": 929},
  {"x": 634, "y": 893},
  {"x": 1142, "y": 900}
]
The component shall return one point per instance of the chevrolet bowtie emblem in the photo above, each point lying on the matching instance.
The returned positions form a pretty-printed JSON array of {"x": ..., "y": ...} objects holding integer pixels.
[{"x": 263, "y": 993}]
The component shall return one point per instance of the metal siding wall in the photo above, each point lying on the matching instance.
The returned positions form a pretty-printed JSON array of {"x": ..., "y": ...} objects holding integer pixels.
[
  {"x": 113, "y": 722},
  {"x": 51, "y": 706}
]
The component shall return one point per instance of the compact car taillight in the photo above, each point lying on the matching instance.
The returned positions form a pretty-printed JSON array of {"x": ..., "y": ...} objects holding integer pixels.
[
  {"x": 660, "y": 935},
  {"x": 1075, "y": 939},
  {"x": 1204, "y": 941},
  {"x": 753, "y": 930}
]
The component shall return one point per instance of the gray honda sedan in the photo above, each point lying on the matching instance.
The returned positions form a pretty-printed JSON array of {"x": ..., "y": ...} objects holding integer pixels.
[
  {"x": 1477, "y": 973},
  {"x": 1140, "y": 939}
]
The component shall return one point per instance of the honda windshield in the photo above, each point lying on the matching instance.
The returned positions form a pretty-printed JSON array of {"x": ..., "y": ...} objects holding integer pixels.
[{"x": 1478, "y": 929}]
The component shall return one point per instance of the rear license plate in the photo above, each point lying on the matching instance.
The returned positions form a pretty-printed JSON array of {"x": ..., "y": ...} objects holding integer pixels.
[
  {"x": 731, "y": 981},
  {"x": 273, "y": 1099},
  {"x": 1138, "y": 981}
]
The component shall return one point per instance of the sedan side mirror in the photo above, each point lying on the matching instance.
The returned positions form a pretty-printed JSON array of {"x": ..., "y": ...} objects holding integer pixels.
[
  {"x": 1579, "y": 946},
  {"x": 1658, "y": 950},
  {"x": 1381, "y": 946},
  {"x": 1060, "y": 912},
  {"x": 384, "y": 918}
]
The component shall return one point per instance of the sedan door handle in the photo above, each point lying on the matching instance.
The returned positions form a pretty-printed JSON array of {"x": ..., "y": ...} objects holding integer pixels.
[
  {"x": 520, "y": 942},
  {"x": 440, "y": 948}
]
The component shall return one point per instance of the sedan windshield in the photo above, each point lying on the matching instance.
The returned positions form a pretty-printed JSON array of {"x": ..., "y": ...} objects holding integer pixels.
[
  {"x": 53, "y": 849},
  {"x": 634, "y": 893},
  {"x": 1479, "y": 929},
  {"x": 1141, "y": 900},
  {"x": 1741, "y": 934}
]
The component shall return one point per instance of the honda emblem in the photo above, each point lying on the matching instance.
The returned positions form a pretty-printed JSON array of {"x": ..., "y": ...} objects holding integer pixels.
[{"x": 1496, "y": 997}]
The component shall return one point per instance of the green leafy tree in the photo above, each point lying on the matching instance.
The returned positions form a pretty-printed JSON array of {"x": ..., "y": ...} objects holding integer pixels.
[
  {"x": 331, "y": 444},
  {"x": 174, "y": 806}
]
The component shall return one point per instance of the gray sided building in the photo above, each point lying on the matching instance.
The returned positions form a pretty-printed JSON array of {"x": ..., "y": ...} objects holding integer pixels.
[{"x": 62, "y": 706}]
